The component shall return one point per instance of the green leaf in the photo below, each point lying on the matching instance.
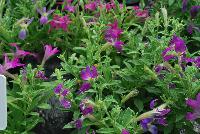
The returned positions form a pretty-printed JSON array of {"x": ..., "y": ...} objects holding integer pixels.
[
  {"x": 69, "y": 125},
  {"x": 170, "y": 2},
  {"x": 106, "y": 130},
  {"x": 139, "y": 104},
  {"x": 44, "y": 106}
]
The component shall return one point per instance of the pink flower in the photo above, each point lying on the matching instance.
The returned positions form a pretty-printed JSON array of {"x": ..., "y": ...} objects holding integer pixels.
[
  {"x": 9, "y": 64},
  {"x": 61, "y": 22},
  {"x": 49, "y": 51}
]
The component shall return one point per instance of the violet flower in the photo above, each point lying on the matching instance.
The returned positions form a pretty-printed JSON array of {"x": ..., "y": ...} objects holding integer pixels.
[
  {"x": 184, "y": 5},
  {"x": 194, "y": 11},
  {"x": 61, "y": 92},
  {"x": 41, "y": 75},
  {"x": 195, "y": 105},
  {"x": 84, "y": 87},
  {"x": 24, "y": 23},
  {"x": 79, "y": 123},
  {"x": 49, "y": 51},
  {"x": 197, "y": 61},
  {"x": 65, "y": 103},
  {"x": 44, "y": 15},
  {"x": 177, "y": 48},
  {"x": 60, "y": 22},
  {"x": 124, "y": 131},
  {"x": 156, "y": 115},
  {"x": 58, "y": 88},
  {"x": 85, "y": 107},
  {"x": 9, "y": 64},
  {"x": 89, "y": 73}
]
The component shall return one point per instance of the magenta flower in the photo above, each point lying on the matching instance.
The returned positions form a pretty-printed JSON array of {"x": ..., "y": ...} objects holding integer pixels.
[
  {"x": 20, "y": 53},
  {"x": 124, "y": 131},
  {"x": 147, "y": 126},
  {"x": 60, "y": 22},
  {"x": 195, "y": 105},
  {"x": 110, "y": 5},
  {"x": 84, "y": 87},
  {"x": 118, "y": 45},
  {"x": 49, "y": 51},
  {"x": 9, "y": 64},
  {"x": 194, "y": 11},
  {"x": 177, "y": 48},
  {"x": 24, "y": 23},
  {"x": 44, "y": 15},
  {"x": 91, "y": 6},
  {"x": 85, "y": 107},
  {"x": 89, "y": 73},
  {"x": 113, "y": 32},
  {"x": 142, "y": 13}
]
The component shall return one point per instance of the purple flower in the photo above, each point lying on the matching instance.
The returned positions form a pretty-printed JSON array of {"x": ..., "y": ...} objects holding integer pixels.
[
  {"x": 65, "y": 103},
  {"x": 145, "y": 123},
  {"x": 124, "y": 131},
  {"x": 84, "y": 87},
  {"x": 79, "y": 123},
  {"x": 184, "y": 5},
  {"x": 41, "y": 75},
  {"x": 49, "y": 51},
  {"x": 118, "y": 45},
  {"x": 9, "y": 64},
  {"x": 85, "y": 107},
  {"x": 153, "y": 129},
  {"x": 157, "y": 115},
  {"x": 58, "y": 88},
  {"x": 44, "y": 15},
  {"x": 65, "y": 92},
  {"x": 22, "y": 34},
  {"x": 190, "y": 28},
  {"x": 197, "y": 61},
  {"x": 177, "y": 48},
  {"x": 69, "y": 8},
  {"x": 152, "y": 103},
  {"x": 195, "y": 105},
  {"x": 91, "y": 6},
  {"x": 171, "y": 85},
  {"x": 113, "y": 32},
  {"x": 194, "y": 11},
  {"x": 24, "y": 23},
  {"x": 89, "y": 73}
]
